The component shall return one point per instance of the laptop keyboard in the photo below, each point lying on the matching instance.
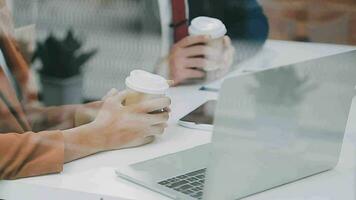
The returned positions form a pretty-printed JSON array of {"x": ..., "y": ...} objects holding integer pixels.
[{"x": 191, "y": 184}]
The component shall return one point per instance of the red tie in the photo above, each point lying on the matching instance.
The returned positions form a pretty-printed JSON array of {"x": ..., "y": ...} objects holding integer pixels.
[{"x": 179, "y": 20}]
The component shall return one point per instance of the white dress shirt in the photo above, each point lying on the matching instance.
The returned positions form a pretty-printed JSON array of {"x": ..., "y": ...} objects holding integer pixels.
[{"x": 165, "y": 10}]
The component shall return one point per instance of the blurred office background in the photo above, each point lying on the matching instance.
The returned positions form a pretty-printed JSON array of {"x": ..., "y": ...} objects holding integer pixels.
[
  {"x": 127, "y": 32},
  {"x": 325, "y": 21},
  {"x": 124, "y": 32}
]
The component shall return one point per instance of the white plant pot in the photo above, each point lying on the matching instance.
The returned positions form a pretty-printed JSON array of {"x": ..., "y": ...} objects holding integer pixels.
[{"x": 58, "y": 91}]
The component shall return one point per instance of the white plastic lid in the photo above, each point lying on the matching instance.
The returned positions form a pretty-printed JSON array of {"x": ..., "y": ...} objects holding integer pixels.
[
  {"x": 207, "y": 26},
  {"x": 145, "y": 82}
]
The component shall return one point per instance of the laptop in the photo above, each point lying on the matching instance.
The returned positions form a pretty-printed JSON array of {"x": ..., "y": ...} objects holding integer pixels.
[{"x": 271, "y": 128}]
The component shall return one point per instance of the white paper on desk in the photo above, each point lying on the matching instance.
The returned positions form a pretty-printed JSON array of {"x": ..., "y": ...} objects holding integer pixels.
[{"x": 260, "y": 61}]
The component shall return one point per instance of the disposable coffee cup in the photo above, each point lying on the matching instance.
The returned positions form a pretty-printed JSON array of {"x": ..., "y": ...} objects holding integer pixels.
[
  {"x": 145, "y": 86},
  {"x": 216, "y": 29}
]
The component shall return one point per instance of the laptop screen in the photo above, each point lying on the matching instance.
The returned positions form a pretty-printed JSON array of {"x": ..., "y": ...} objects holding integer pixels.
[{"x": 280, "y": 125}]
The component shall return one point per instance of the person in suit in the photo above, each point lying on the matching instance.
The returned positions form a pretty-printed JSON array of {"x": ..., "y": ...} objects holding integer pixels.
[
  {"x": 245, "y": 21},
  {"x": 35, "y": 140},
  {"x": 147, "y": 31}
]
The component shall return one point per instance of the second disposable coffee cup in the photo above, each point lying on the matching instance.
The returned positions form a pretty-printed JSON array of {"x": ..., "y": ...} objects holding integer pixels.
[
  {"x": 145, "y": 86},
  {"x": 213, "y": 27}
]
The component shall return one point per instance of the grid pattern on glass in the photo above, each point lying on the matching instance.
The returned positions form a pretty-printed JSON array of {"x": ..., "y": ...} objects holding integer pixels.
[{"x": 126, "y": 33}]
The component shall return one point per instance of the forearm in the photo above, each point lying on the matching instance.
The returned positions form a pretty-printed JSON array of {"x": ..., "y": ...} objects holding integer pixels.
[
  {"x": 61, "y": 117},
  {"x": 30, "y": 154},
  {"x": 50, "y": 118},
  {"x": 79, "y": 144},
  {"x": 86, "y": 113}
]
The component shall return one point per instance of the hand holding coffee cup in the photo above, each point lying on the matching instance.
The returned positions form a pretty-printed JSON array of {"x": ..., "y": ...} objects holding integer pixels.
[
  {"x": 118, "y": 126},
  {"x": 207, "y": 49},
  {"x": 148, "y": 89},
  {"x": 130, "y": 118}
]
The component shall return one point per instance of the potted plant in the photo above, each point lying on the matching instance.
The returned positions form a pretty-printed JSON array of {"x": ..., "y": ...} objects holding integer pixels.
[{"x": 62, "y": 65}]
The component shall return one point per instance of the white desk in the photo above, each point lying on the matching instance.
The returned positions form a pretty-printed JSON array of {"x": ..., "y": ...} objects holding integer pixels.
[{"x": 94, "y": 177}]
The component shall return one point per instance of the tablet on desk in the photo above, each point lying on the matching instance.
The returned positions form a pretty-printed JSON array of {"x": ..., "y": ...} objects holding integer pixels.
[{"x": 201, "y": 118}]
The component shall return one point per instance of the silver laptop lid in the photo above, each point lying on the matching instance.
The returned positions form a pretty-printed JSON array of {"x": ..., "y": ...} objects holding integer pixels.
[{"x": 280, "y": 125}]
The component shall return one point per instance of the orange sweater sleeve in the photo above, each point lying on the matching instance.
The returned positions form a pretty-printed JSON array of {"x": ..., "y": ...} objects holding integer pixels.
[{"x": 31, "y": 154}]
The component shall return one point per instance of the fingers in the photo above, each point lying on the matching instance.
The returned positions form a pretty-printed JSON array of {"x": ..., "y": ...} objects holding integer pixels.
[
  {"x": 193, "y": 40},
  {"x": 227, "y": 41},
  {"x": 154, "y": 119},
  {"x": 118, "y": 98},
  {"x": 229, "y": 49},
  {"x": 192, "y": 73},
  {"x": 196, "y": 63},
  {"x": 193, "y": 51},
  {"x": 148, "y": 140},
  {"x": 153, "y": 105},
  {"x": 168, "y": 110},
  {"x": 154, "y": 124},
  {"x": 207, "y": 52},
  {"x": 200, "y": 50},
  {"x": 157, "y": 129},
  {"x": 111, "y": 93},
  {"x": 229, "y": 55},
  {"x": 186, "y": 74}
]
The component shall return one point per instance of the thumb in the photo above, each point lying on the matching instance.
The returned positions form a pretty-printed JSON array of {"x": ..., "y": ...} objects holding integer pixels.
[
  {"x": 227, "y": 41},
  {"x": 121, "y": 96},
  {"x": 111, "y": 93}
]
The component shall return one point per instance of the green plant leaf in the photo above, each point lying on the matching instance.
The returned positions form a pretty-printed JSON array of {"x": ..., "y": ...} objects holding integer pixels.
[{"x": 62, "y": 58}]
